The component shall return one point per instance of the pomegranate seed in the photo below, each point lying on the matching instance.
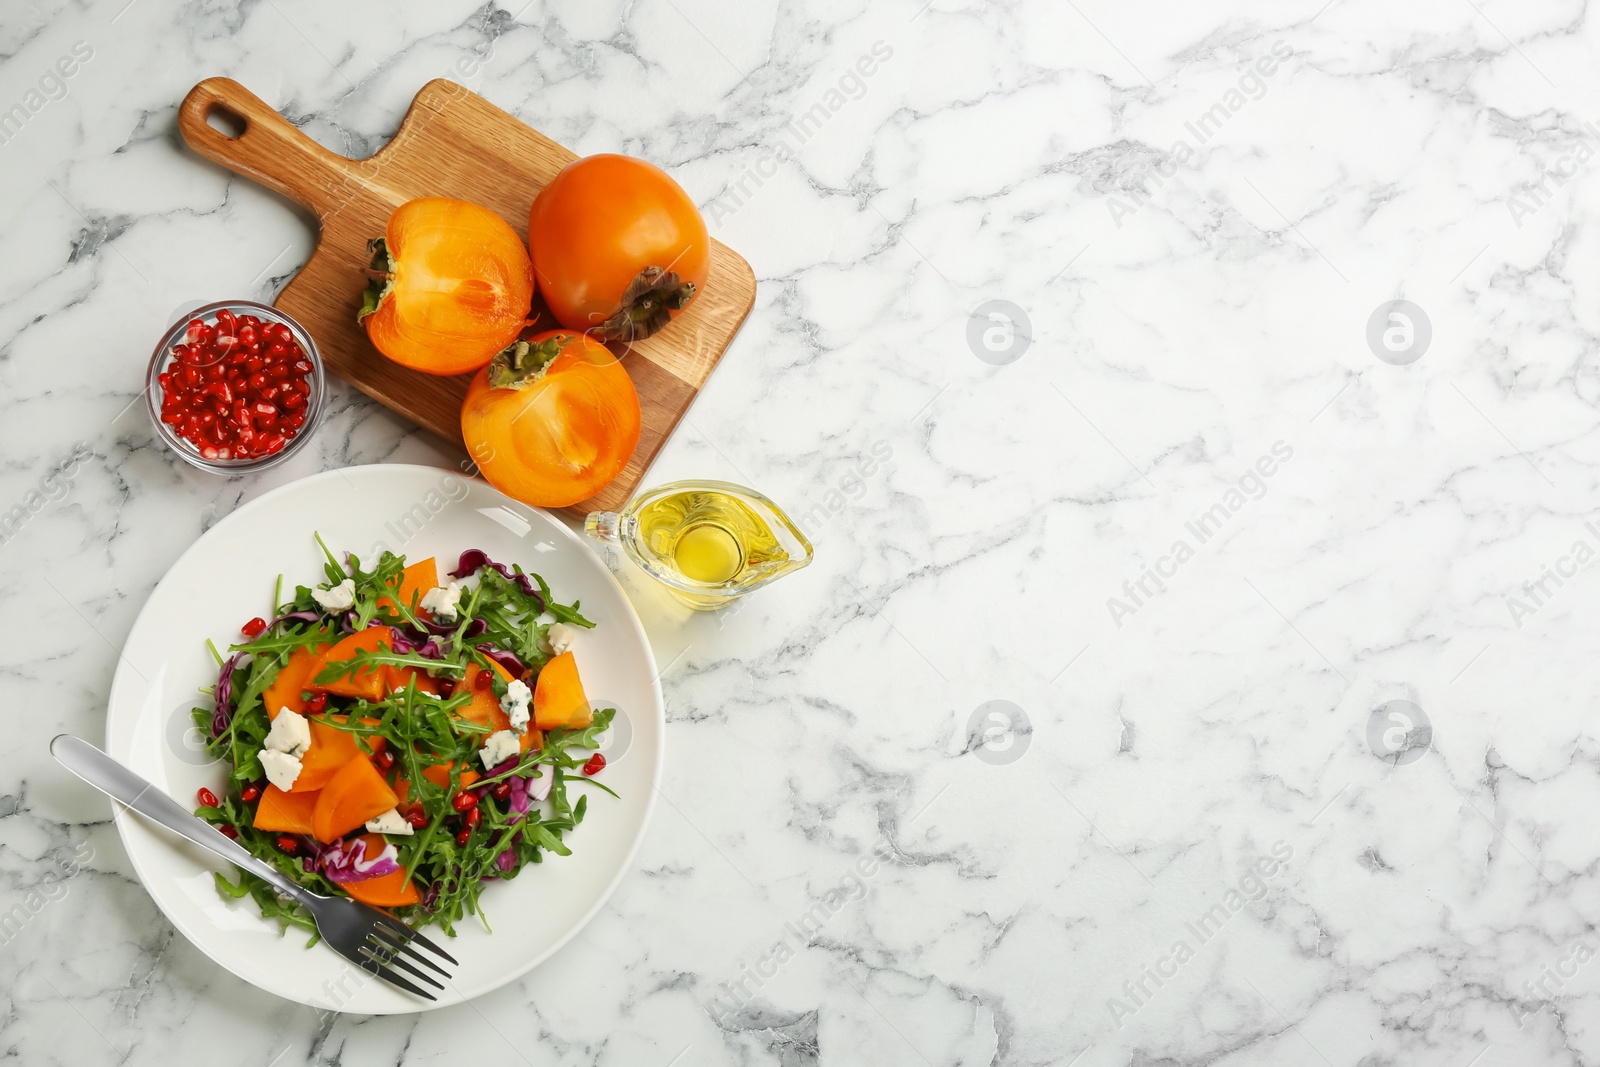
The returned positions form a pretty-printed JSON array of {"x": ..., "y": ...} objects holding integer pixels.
[
  {"x": 254, "y": 628},
  {"x": 385, "y": 760},
  {"x": 287, "y": 845},
  {"x": 206, "y": 797},
  {"x": 417, "y": 818},
  {"x": 317, "y": 703},
  {"x": 482, "y": 681},
  {"x": 228, "y": 831},
  {"x": 226, "y": 322},
  {"x": 463, "y": 837},
  {"x": 474, "y": 817},
  {"x": 247, "y": 333},
  {"x": 250, "y": 792},
  {"x": 464, "y": 801},
  {"x": 501, "y": 791},
  {"x": 596, "y": 763}
]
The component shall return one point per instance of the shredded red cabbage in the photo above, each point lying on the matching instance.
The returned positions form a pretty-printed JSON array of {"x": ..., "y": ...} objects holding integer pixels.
[
  {"x": 224, "y": 695},
  {"x": 297, "y": 616},
  {"x": 506, "y": 860},
  {"x": 347, "y": 861},
  {"x": 474, "y": 558},
  {"x": 505, "y": 659}
]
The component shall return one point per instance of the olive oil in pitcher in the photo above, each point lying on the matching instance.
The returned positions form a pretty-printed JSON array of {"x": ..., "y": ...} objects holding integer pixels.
[{"x": 708, "y": 541}]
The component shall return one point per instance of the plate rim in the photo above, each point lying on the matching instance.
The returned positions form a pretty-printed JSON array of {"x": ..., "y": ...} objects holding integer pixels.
[{"x": 121, "y": 816}]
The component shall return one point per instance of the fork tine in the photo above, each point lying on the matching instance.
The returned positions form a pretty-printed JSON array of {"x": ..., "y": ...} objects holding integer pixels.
[
  {"x": 386, "y": 954},
  {"x": 406, "y": 932},
  {"x": 393, "y": 943},
  {"x": 373, "y": 967}
]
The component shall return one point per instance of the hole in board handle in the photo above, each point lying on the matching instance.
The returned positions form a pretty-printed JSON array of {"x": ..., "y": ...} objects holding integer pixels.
[{"x": 226, "y": 121}]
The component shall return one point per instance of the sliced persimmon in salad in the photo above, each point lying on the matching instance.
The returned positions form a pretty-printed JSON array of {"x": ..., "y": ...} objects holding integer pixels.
[
  {"x": 288, "y": 688},
  {"x": 349, "y": 791},
  {"x": 367, "y": 683},
  {"x": 355, "y": 793},
  {"x": 392, "y": 890},
  {"x": 331, "y": 748},
  {"x": 285, "y": 812},
  {"x": 558, "y": 698}
]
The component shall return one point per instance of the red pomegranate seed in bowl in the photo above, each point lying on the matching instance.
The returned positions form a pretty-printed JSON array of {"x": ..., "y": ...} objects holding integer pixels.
[{"x": 235, "y": 386}]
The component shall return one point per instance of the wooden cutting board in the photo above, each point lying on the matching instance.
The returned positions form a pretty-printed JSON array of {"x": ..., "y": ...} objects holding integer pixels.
[{"x": 452, "y": 143}]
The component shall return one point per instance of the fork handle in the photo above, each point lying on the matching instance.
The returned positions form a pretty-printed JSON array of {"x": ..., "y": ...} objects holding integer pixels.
[{"x": 119, "y": 783}]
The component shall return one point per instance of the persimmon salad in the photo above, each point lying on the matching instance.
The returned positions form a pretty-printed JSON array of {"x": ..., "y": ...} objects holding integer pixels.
[{"x": 402, "y": 741}]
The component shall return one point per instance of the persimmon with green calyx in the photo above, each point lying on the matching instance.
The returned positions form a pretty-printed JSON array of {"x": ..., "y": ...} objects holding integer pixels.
[
  {"x": 618, "y": 247},
  {"x": 452, "y": 286},
  {"x": 351, "y": 797},
  {"x": 552, "y": 420}
]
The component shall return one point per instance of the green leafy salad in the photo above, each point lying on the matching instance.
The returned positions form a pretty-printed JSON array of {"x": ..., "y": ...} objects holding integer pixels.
[{"x": 402, "y": 741}]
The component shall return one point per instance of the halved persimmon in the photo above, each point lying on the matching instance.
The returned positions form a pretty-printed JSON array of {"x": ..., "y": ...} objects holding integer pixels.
[
  {"x": 331, "y": 748},
  {"x": 558, "y": 697},
  {"x": 392, "y": 890},
  {"x": 288, "y": 813},
  {"x": 368, "y": 683},
  {"x": 356, "y": 793},
  {"x": 552, "y": 420},
  {"x": 455, "y": 286}
]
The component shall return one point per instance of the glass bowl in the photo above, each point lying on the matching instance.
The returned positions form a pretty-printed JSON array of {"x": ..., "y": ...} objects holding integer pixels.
[{"x": 186, "y": 450}]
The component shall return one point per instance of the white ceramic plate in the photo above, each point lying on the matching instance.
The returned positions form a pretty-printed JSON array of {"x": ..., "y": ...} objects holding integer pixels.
[{"x": 228, "y": 576}]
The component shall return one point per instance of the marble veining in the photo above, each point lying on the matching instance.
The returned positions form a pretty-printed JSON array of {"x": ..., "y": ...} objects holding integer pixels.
[{"x": 1193, "y": 407}]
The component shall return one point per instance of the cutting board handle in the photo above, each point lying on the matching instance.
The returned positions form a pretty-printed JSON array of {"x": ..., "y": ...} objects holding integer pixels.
[{"x": 267, "y": 147}]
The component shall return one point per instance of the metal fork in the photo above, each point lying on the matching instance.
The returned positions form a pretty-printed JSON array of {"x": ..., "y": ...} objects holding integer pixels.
[{"x": 372, "y": 940}]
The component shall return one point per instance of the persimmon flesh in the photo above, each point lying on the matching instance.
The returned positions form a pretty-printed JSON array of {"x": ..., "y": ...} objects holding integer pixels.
[
  {"x": 455, "y": 286},
  {"x": 552, "y": 420}
]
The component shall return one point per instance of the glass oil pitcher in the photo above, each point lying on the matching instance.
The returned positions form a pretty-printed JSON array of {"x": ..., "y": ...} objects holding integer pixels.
[{"x": 709, "y": 542}]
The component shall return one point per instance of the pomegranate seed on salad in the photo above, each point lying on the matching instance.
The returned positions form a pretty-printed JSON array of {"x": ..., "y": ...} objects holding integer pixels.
[
  {"x": 250, "y": 792},
  {"x": 228, "y": 831},
  {"x": 595, "y": 764},
  {"x": 254, "y": 628},
  {"x": 206, "y": 797}
]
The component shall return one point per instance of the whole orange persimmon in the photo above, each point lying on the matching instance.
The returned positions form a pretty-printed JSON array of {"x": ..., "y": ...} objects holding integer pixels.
[
  {"x": 551, "y": 420},
  {"x": 618, "y": 247},
  {"x": 454, "y": 286}
]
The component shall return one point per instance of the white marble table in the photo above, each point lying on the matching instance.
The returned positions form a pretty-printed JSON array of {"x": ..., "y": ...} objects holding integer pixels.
[{"x": 1194, "y": 525}]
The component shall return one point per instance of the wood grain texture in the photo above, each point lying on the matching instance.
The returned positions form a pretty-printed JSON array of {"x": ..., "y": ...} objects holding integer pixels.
[{"x": 451, "y": 143}]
